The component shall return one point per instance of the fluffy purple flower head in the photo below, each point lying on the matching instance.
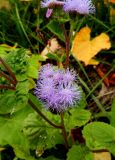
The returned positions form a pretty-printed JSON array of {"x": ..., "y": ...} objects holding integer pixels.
[
  {"x": 79, "y": 6},
  {"x": 51, "y": 3},
  {"x": 47, "y": 86},
  {"x": 46, "y": 71},
  {"x": 57, "y": 88}
]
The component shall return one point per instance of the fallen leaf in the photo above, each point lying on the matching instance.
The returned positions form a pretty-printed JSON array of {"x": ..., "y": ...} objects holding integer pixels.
[
  {"x": 110, "y": 79},
  {"x": 84, "y": 49},
  {"x": 109, "y": 1},
  {"x": 104, "y": 155},
  {"x": 101, "y": 74},
  {"x": 112, "y": 1},
  {"x": 51, "y": 47}
]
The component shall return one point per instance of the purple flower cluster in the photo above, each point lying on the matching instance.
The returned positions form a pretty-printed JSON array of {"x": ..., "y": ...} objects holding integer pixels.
[
  {"x": 57, "y": 88},
  {"x": 79, "y": 6}
]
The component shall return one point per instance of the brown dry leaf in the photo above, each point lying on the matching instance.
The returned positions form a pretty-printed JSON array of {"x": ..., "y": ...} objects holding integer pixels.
[
  {"x": 102, "y": 156},
  {"x": 51, "y": 47},
  {"x": 85, "y": 49},
  {"x": 109, "y": 1},
  {"x": 112, "y": 1}
]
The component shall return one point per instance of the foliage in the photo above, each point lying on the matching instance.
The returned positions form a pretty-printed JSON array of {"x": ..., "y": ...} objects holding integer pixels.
[
  {"x": 24, "y": 68},
  {"x": 79, "y": 152},
  {"x": 100, "y": 135}
]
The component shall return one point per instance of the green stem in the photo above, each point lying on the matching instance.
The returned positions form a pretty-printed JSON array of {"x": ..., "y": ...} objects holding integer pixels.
[
  {"x": 21, "y": 25},
  {"x": 93, "y": 96},
  {"x": 43, "y": 116},
  {"x": 64, "y": 130},
  {"x": 101, "y": 114}
]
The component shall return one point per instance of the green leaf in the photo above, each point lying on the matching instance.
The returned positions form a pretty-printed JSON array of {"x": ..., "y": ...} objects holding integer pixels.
[
  {"x": 99, "y": 135},
  {"x": 33, "y": 66},
  {"x": 49, "y": 158},
  {"x": 11, "y": 132},
  {"x": 77, "y": 117},
  {"x": 11, "y": 101},
  {"x": 7, "y": 102},
  {"x": 56, "y": 28},
  {"x": 82, "y": 103},
  {"x": 17, "y": 60},
  {"x": 4, "y": 48},
  {"x": 21, "y": 153},
  {"x": 40, "y": 134},
  {"x": 78, "y": 152},
  {"x": 112, "y": 114},
  {"x": 34, "y": 127},
  {"x": 53, "y": 56}
]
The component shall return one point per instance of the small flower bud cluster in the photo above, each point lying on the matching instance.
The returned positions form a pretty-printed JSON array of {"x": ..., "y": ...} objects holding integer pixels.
[{"x": 57, "y": 88}]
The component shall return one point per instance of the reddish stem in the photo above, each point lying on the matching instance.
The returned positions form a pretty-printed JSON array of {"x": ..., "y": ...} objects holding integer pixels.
[
  {"x": 67, "y": 43},
  {"x": 14, "y": 81},
  {"x": 7, "y": 77},
  {"x": 7, "y": 87}
]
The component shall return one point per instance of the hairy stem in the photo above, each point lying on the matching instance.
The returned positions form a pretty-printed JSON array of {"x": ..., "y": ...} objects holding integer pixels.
[
  {"x": 2, "y": 74},
  {"x": 7, "y": 87},
  {"x": 14, "y": 81},
  {"x": 67, "y": 43},
  {"x": 64, "y": 130},
  {"x": 42, "y": 115}
]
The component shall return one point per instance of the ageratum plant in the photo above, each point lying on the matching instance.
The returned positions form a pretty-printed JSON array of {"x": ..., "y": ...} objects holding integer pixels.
[
  {"x": 57, "y": 88},
  {"x": 58, "y": 100}
]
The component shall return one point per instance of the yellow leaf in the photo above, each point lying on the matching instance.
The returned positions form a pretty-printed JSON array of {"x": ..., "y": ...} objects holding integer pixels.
[
  {"x": 93, "y": 62},
  {"x": 84, "y": 49},
  {"x": 102, "y": 156}
]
